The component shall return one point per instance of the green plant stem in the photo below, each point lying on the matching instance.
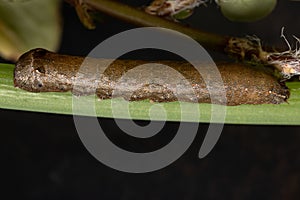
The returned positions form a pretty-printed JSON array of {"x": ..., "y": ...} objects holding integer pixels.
[
  {"x": 140, "y": 18},
  {"x": 248, "y": 48}
]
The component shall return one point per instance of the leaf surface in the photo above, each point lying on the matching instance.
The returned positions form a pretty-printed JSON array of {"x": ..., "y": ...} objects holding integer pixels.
[
  {"x": 28, "y": 24},
  {"x": 61, "y": 103}
]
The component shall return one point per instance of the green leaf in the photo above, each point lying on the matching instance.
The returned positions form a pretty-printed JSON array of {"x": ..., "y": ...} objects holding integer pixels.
[
  {"x": 61, "y": 103},
  {"x": 27, "y": 24}
]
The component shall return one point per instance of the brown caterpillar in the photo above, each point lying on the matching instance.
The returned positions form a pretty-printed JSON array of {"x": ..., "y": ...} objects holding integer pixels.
[{"x": 42, "y": 71}]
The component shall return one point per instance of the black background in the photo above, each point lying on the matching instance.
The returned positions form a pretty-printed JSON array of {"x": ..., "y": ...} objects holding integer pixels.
[{"x": 43, "y": 157}]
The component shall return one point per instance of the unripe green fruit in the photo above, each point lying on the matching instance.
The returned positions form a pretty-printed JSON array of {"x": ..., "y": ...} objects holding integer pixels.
[{"x": 246, "y": 10}]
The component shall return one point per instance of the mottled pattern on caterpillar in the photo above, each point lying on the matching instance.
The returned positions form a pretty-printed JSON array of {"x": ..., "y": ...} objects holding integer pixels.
[{"x": 42, "y": 71}]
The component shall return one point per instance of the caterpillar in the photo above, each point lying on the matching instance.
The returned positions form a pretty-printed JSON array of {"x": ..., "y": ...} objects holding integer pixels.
[{"x": 40, "y": 70}]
